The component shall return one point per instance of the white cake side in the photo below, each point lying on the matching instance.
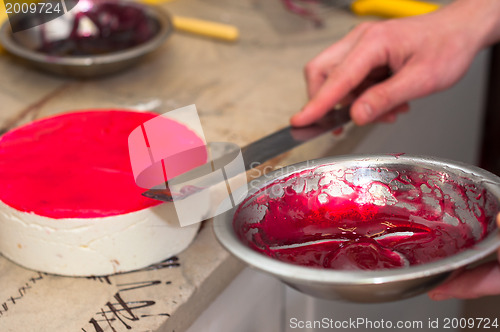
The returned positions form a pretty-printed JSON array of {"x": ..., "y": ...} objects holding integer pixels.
[{"x": 92, "y": 246}]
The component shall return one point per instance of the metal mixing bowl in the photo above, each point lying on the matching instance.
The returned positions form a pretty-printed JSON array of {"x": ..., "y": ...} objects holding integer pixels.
[
  {"x": 25, "y": 45},
  {"x": 459, "y": 184}
]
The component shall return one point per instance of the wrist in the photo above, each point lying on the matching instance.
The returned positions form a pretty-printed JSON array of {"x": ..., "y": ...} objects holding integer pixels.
[{"x": 479, "y": 20}]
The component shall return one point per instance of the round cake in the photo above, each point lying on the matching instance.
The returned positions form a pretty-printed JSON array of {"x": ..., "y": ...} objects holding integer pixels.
[{"x": 69, "y": 203}]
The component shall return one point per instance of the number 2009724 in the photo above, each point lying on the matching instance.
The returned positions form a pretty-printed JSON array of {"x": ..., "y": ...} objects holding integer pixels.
[{"x": 32, "y": 8}]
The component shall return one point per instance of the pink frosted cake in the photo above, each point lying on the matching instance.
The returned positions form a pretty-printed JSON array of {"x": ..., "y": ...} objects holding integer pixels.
[{"x": 69, "y": 204}]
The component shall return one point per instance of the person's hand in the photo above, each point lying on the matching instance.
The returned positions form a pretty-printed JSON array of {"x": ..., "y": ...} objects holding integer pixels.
[
  {"x": 469, "y": 284},
  {"x": 380, "y": 66}
]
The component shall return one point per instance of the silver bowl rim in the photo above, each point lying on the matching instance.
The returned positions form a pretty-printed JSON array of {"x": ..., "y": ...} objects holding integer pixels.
[
  {"x": 223, "y": 229},
  {"x": 166, "y": 28}
]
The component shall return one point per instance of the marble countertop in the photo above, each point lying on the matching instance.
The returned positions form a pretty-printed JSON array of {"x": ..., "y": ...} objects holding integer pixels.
[{"x": 243, "y": 91}]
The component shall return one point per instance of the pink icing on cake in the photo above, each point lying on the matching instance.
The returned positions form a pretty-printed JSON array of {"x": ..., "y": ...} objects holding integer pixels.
[{"x": 76, "y": 165}]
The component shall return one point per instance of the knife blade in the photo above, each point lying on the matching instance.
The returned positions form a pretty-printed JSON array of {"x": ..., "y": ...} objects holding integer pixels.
[{"x": 256, "y": 153}]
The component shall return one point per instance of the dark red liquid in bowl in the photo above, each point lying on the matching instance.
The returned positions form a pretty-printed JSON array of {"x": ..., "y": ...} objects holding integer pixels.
[
  {"x": 348, "y": 222},
  {"x": 116, "y": 27}
]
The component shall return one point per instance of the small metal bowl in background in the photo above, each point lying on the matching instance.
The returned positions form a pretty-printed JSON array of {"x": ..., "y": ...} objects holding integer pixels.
[
  {"x": 362, "y": 285},
  {"x": 26, "y": 45}
]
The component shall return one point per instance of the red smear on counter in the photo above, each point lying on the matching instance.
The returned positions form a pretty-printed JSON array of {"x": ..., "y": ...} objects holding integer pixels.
[
  {"x": 344, "y": 233},
  {"x": 75, "y": 165}
]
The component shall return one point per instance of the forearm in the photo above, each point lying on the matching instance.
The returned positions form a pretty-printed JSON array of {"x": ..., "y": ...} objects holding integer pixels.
[{"x": 477, "y": 19}]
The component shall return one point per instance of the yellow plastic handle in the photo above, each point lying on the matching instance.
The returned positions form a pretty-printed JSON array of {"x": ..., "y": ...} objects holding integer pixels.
[
  {"x": 196, "y": 26},
  {"x": 206, "y": 28},
  {"x": 392, "y": 8},
  {"x": 3, "y": 18}
]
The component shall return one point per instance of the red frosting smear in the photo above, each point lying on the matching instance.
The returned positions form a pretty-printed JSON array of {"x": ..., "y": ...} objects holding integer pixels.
[
  {"x": 75, "y": 165},
  {"x": 341, "y": 233}
]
